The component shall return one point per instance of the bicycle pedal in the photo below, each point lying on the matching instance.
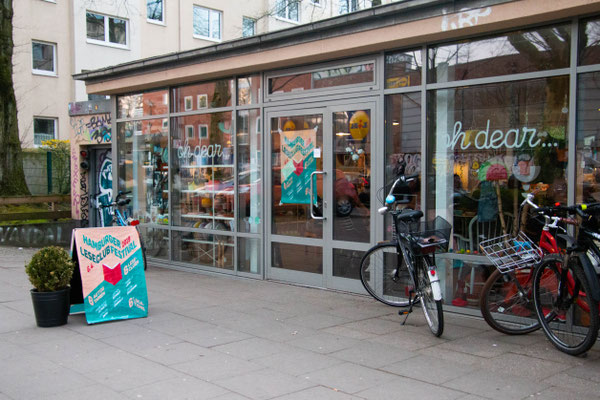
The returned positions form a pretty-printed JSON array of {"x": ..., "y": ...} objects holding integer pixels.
[{"x": 404, "y": 312}]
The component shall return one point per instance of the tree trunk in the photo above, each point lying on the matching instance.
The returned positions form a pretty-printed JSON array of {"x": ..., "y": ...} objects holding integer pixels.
[{"x": 12, "y": 178}]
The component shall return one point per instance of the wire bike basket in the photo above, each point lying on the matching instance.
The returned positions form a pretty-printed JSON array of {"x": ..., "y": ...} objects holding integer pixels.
[
  {"x": 427, "y": 236},
  {"x": 510, "y": 253}
]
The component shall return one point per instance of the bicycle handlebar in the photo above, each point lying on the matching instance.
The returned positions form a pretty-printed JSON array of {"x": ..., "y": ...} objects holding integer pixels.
[
  {"x": 390, "y": 198},
  {"x": 117, "y": 203}
]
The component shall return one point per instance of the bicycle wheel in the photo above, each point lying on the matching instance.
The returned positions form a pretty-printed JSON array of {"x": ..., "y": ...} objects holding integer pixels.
[
  {"x": 506, "y": 302},
  {"x": 568, "y": 314},
  {"x": 431, "y": 308},
  {"x": 384, "y": 275}
]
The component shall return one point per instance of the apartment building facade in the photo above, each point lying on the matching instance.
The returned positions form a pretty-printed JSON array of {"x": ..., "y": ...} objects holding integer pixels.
[{"x": 55, "y": 39}]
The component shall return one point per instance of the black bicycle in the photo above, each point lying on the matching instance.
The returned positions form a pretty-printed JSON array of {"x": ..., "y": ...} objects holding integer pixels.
[
  {"x": 566, "y": 290},
  {"x": 402, "y": 272},
  {"x": 118, "y": 212}
]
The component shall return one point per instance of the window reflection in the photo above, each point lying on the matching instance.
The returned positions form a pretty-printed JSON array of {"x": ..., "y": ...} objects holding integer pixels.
[
  {"x": 249, "y": 90},
  {"x": 203, "y": 96},
  {"x": 144, "y": 104},
  {"x": 351, "y": 75},
  {"x": 203, "y": 171},
  {"x": 144, "y": 168},
  {"x": 403, "y": 69},
  {"x": 352, "y": 175},
  {"x": 297, "y": 143},
  {"x": 516, "y": 52},
  {"x": 492, "y": 144},
  {"x": 588, "y": 138},
  {"x": 589, "y": 42},
  {"x": 249, "y": 157}
]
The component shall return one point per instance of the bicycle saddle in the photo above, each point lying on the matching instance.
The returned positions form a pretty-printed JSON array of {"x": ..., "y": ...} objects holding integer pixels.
[{"x": 410, "y": 215}]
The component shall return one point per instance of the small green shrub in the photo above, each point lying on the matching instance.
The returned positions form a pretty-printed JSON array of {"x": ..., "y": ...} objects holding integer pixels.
[{"x": 50, "y": 269}]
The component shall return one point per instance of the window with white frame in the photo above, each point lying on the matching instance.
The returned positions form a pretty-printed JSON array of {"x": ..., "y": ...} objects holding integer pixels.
[
  {"x": 155, "y": 10},
  {"x": 347, "y": 6},
  {"x": 248, "y": 27},
  {"x": 105, "y": 29},
  {"x": 43, "y": 58},
  {"x": 43, "y": 129},
  {"x": 207, "y": 23},
  {"x": 287, "y": 9}
]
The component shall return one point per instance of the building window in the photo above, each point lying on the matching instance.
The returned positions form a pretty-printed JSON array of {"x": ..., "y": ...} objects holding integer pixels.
[
  {"x": 248, "y": 27},
  {"x": 207, "y": 23},
  {"x": 105, "y": 29},
  {"x": 347, "y": 6},
  {"x": 44, "y": 58},
  {"x": 488, "y": 144},
  {"x": 43, "y": 129},
  {"x": 155, "y": 10},
  {"x": 287, "y": 9}
]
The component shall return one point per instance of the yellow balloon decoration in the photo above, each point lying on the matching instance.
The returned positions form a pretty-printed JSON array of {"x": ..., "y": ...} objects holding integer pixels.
[
  {"x": 289, "y": 125},
  {"x": 359, "y": 125}
]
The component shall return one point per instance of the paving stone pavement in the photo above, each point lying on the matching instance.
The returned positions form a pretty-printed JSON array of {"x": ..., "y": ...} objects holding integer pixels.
[{"x": 225, "y": 338}]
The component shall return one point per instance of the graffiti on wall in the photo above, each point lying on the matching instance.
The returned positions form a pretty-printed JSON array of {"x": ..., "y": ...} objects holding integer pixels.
[
  {"x": 464, "y": 18},
  {"x": 92, "y": 129},
  {"x": 84, "y": 194},
  {"x": 75, "y": 196},
  {"x": 104, "y": 191}
]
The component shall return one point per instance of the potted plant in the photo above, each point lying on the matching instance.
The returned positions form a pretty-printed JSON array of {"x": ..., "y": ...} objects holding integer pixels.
[{"x": 50, "y": 271}]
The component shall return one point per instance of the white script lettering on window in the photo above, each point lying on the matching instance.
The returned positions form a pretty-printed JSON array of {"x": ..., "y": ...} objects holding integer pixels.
[
  {"x": 212, "y": 150},
  {"x": 497, "y": 139}
]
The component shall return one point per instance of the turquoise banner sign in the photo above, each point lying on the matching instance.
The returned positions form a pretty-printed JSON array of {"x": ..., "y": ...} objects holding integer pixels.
[
  {"x": 297, "y": 165},
  {"x": 112, "y": 273}
]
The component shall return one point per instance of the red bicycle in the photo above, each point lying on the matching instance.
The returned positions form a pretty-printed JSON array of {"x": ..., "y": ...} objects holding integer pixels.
[
  {"x": 506, "y": 300},
  {"x": 566, "y": 288}
]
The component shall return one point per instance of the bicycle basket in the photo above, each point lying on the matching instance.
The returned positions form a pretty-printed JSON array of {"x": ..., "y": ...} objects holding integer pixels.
[
  {"x": 509, "y": 253},
  {"x": 427, "y": 236}
]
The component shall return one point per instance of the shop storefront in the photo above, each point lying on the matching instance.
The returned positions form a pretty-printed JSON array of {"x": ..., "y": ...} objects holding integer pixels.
[{"x": 274, "y": 173}]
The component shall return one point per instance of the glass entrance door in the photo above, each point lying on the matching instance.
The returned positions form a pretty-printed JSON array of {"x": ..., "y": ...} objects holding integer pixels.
[{"x": 319, "y": 215}]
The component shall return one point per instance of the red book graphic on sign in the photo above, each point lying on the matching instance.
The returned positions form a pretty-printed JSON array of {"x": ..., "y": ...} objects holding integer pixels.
[{"x": 113, "y": 274}]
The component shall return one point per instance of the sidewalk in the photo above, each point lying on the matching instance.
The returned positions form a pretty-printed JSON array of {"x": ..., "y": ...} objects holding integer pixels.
[{"x": 224, "y": 338}]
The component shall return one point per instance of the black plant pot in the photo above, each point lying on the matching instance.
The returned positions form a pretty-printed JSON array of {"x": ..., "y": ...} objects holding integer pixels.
[{"x": 51, "y": 308}]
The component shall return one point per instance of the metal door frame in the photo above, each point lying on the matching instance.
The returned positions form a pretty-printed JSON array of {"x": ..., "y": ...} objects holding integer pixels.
[{"x": 326, "y": 243}]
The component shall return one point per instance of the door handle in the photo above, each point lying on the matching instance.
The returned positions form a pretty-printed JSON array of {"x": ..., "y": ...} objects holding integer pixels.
[{"x": 312, "y": 194}]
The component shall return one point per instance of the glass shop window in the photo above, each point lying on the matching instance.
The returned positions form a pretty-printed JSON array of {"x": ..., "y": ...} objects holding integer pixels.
[
  {"x": 203, "y": 171},
  {"x": 325, "y": 78},
  {"x": 589, "y": 42},
  {"x": 488, "y": 146},
  {"x": 203, "y": 96},
  {"x": 143, "y": 104},
  {"x": 588, "y": 138},
  {"x": 516, "y": 52},
  {"x": 144, "y": 168},
  {"x": 403, "y": 69}
]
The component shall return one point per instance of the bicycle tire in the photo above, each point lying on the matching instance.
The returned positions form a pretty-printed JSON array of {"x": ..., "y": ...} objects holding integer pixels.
[
  {"x": 432, "y": 309},
  {"x": 557, "y": 323},
  {"x": 377, "y": 274},
  {"x": 503, "y": 308}
]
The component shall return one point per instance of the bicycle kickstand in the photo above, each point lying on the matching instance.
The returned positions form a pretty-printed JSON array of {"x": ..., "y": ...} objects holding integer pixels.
[{"x": 410, "y": 307}]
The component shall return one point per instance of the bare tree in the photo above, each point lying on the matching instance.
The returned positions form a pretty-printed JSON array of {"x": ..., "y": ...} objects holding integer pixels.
[{"x": 12, "y": 178}]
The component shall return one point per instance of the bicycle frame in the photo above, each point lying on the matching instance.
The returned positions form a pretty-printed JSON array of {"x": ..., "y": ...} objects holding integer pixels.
[{"x": 401, "y": 248}]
